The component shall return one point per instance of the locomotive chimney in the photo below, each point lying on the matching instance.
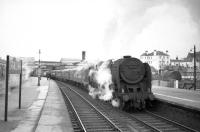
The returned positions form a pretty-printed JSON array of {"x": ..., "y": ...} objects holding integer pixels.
[
  {"x": 83, "y": 55},
  {"x": 127, "y": 56}
]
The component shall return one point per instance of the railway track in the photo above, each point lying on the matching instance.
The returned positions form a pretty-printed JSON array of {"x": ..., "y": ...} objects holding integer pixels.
[
  {"x": 159, "y": 123},
  {"x": 148, "y": 121},
  {"x": 88, "y": 117},
  {"x": 108, "y": 118}
]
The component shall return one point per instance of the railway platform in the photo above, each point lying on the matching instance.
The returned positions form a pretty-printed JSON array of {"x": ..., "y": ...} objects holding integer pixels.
[
  {"x": 180, "y": 97},
  {"x": 45, "y": 112},
  {"x": 54, "y": 116}
]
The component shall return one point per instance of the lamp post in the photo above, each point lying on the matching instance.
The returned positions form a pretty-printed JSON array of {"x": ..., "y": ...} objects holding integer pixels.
[{"x": 39, "y": 70}]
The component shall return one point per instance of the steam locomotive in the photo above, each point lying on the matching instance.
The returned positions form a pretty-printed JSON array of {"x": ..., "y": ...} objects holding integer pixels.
[{"x": 130, "y": 80}]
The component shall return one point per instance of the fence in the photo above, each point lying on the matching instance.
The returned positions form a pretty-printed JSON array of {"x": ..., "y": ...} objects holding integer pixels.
[
  {"x": 182, "y": 84},
  {"x": 13, "y": 69}
]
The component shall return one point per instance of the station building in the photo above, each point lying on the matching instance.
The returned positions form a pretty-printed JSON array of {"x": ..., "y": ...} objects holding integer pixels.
[{"x": 67, "y": 63}]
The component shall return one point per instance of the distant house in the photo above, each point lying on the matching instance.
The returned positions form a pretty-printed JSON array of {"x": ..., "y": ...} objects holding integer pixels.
[
  {"x": 187, "y": 62},
  {"x": 176, "y": 62},
  {"x": 190, "y": 56},
  {"x": 157, "y": 59}
]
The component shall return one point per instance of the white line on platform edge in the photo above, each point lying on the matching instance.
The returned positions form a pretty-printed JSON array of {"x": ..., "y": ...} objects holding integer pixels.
[{"x": 176, "y": 97}]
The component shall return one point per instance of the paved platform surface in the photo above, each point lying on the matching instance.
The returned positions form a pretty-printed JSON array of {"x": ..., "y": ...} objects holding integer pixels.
[
  {"x": 183, "y": 97},
  {"x": 54, "y": 117},
  {"x": 43, "y": 109},
  {"x": 29, "y": 94}
]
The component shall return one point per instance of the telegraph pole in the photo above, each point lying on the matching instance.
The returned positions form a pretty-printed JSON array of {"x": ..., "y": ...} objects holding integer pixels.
[
  {"x": 195, "y": 79},
  {"x": 39, "y": 69}
]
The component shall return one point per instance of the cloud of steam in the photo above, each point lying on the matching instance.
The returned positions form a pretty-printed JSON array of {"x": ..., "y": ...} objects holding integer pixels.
[
  {"x": 115, "y": 102},
  {"x": 102, "y": 76}
]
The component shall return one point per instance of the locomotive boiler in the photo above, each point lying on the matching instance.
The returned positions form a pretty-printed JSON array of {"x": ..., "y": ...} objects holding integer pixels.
[{"x": 131, "y": 80}]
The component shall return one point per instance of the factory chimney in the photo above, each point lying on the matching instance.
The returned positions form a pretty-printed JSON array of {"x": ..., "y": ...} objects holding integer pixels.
[{"x": 83, "y": 55}]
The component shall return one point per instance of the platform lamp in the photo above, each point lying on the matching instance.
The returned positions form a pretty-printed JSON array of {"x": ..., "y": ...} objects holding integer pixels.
[{"x": 39, "y": 70}]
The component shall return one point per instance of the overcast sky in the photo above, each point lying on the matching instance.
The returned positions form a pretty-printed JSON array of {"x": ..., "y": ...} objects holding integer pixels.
[{"x": 103, "y": 28}]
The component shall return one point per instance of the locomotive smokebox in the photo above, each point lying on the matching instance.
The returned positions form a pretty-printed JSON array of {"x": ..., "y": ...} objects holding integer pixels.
[{"x": 83, "y": 55}]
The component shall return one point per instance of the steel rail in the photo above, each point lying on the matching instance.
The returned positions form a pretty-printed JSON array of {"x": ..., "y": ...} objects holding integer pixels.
[
  {"x": 173, "y": 122},
  {"x": 152, "y": 127},
  {"x": 74, "y": 109},
  {"x": 97, "y": 110}
]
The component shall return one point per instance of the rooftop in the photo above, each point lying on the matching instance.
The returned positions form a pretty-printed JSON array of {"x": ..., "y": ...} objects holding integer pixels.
[
  {"x": 69, "y": 60},
  {"x": 158, "y": 53},
  {"x": 190, "y": 56},
  {"x": 176, "y": 60}
]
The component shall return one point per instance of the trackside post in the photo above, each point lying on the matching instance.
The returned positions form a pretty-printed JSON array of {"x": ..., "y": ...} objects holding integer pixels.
[
  {"x": 20, "y": 86},
  {"x": 6, "y": 88}
]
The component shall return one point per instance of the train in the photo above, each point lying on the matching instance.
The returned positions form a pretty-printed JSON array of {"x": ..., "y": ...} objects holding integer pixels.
[{"x": 130, "y": 80}]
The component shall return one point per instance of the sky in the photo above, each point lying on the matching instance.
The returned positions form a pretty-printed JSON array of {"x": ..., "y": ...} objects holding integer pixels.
[{"x": 105, "y": 29}]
